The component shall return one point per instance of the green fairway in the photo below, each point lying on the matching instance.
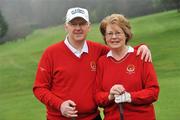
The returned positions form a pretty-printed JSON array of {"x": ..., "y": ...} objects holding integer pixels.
[{"x": 19, "y": 59}]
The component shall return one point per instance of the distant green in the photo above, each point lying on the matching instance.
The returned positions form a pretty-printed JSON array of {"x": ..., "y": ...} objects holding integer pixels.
[{"x": 19, "y": 59}]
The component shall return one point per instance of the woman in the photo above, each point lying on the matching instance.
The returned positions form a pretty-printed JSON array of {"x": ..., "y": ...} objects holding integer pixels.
[{"x": 126, "y": 86}]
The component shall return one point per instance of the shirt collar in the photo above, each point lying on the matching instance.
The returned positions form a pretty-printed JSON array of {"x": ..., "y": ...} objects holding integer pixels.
[
  {"x": 130, "y": 49},
  {"x": 74, "y": 50}
]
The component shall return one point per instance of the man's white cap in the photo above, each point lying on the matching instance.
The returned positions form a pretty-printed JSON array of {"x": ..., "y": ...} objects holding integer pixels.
[{"x": 77, "y": 12}]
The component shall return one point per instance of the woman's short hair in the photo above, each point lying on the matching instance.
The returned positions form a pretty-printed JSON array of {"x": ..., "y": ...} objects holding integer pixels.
[{"x": 119, "y": 20}]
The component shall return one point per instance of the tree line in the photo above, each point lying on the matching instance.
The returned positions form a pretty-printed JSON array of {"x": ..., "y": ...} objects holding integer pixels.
[{"x": 19, "y": 17}]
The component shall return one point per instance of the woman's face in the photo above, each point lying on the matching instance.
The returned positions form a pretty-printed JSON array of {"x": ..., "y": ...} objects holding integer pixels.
[{"x": 115, "y": 36}]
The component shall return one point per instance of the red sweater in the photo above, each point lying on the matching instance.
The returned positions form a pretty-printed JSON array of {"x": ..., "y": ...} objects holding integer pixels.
[
  {"x": 63, "y": 76},
  {"x": 137, "y": 77}
]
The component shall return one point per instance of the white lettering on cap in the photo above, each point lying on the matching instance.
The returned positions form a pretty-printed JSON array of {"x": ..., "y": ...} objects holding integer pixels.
[{"x": 77, "y": 11}]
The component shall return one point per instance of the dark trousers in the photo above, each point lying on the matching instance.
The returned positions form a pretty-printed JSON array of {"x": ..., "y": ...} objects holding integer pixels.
[{"x": 97, "y": 118}]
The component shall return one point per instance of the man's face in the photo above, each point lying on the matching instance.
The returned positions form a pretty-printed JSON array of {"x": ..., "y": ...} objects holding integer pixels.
[{"x": 77, "y": 29}]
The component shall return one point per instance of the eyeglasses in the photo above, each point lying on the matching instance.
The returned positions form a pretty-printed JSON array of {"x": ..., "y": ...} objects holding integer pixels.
[
  {"x": 117, "y": 34},
  {"x": 81, "y": 24}
]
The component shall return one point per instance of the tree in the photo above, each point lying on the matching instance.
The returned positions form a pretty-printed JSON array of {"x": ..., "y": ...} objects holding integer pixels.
[
  {"x": 171, "y": 4},
  {"x": 177, "y": 4},
  {"x": 3, "y": 26}
]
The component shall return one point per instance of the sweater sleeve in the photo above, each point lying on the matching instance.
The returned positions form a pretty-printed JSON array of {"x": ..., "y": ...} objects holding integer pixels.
[
  {"x": 150, "y": 90},
  {"x": 101, "y": 96},
  {"x": 104, "y": 50},
  {"x": 42, "y": 84}
]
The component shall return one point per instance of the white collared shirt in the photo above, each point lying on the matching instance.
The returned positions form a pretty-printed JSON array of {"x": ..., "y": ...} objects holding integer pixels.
[
  {"x": 130, "y": 49},
  {"x": 74, "y": 50}
]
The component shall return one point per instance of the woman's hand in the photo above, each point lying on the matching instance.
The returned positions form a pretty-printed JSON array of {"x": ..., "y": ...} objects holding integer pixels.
[{"x": 116, "y": 89}]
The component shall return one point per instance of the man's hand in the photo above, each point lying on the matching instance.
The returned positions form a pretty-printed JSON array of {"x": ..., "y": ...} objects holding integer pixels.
[
  {"x": 68, "y": 109},
  {"x": 116, "y": 89},
  {"x": 125, "y": 97},
  {"x": 146, "y": 53}
]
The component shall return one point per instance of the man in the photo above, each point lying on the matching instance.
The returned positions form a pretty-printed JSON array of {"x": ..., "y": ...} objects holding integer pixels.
[{"x": 66, "y": 72}]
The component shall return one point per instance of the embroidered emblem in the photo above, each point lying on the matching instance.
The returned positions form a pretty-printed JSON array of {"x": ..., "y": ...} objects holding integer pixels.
[
  {"x": 93, "y": 65},
  {"x": 77, "y": 11},
  {"x": 130, "y": 69}
]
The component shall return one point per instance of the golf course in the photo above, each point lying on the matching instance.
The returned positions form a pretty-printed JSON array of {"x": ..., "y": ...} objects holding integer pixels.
[{"x": 19, "y": 60}]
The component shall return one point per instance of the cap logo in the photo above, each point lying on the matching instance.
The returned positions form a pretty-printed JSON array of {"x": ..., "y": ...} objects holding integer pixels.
[{"x": 77, "y": 11}]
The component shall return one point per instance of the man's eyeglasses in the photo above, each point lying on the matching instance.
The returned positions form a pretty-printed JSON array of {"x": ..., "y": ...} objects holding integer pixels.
[{"x": 81, "y": 24}]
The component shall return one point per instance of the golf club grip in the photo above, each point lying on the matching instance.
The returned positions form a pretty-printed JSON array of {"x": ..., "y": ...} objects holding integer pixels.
[{"x": 121, "y": 111}]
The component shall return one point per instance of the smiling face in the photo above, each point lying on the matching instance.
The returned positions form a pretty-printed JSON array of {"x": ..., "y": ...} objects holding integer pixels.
[
  {"x": 115, "y": 28},
  {"x": 77, "y": 29},
  {"x": 115, "y": 36}
]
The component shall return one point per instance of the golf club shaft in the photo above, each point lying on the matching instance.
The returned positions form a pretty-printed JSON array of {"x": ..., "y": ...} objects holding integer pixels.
[{"x": 121, "y": 111}]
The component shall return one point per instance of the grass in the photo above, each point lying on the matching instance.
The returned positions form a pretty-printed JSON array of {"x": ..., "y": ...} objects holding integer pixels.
[{"x": 18, "y": 62}]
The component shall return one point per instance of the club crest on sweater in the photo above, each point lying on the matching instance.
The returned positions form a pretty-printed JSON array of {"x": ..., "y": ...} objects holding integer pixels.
[
  {"x": 93, "y": 65},
  {"x": 130, "y": 69}
]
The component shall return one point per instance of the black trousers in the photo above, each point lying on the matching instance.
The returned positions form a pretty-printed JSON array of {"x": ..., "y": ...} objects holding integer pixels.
[{"x": 97, "y": 118}]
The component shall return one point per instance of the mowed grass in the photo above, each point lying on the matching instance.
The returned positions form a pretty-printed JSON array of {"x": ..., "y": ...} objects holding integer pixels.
[{"x": 18, "y": 63}]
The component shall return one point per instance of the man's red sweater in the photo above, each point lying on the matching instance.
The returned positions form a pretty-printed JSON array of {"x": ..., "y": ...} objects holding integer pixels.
[{"x": 63, "y": 76}]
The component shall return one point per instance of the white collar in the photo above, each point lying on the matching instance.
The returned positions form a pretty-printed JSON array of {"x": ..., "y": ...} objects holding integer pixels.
[
  {"x": 130, "y": 49},
  {"x": 74, "y": 50}
]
